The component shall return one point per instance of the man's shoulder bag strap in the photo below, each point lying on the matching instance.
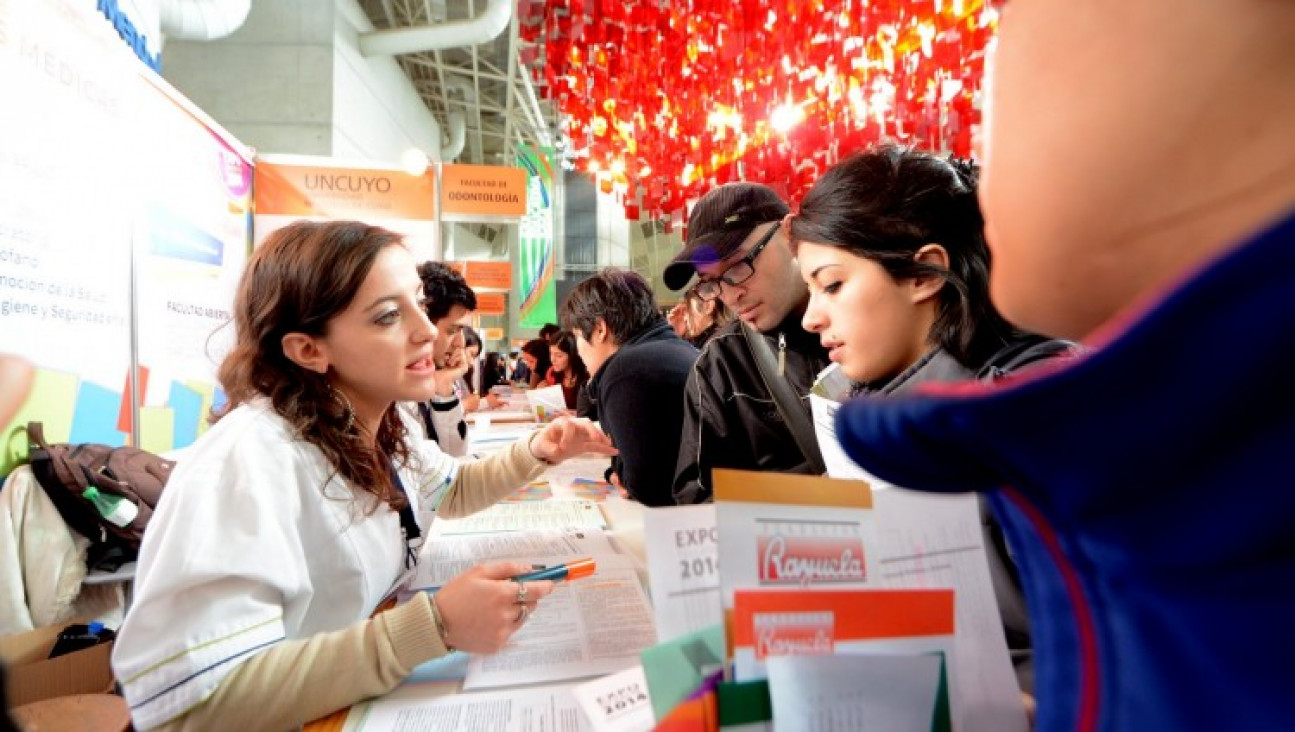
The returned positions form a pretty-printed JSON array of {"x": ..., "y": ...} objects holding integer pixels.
[{"x": 784, "y": 397}]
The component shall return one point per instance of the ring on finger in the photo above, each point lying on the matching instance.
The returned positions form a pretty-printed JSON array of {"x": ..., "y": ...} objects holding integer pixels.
[{"x": 521, "y": 593}]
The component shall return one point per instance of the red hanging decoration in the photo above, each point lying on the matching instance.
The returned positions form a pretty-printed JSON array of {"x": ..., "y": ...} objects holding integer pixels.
[{"x": 665, "y": 100}]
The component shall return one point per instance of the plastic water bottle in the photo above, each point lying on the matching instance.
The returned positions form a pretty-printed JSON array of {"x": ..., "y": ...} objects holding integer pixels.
[{"x": 116, "y": 510}]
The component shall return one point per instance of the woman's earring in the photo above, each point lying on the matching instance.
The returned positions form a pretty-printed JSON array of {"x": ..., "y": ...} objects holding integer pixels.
[{"x": 347, "y": 410}]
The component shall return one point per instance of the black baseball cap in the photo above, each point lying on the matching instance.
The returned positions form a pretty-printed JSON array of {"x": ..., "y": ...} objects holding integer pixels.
[{"x": 720, "y": 221}]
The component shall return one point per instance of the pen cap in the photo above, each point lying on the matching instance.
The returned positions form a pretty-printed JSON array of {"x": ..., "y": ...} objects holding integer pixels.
[{"x": 581, "y": 568}]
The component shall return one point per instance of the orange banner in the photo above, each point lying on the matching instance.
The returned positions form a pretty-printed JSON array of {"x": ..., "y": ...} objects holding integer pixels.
[
  {"x": 492, "y": 334},
  {"x": 482, "y": 193},
  {"x": 491, "y": 303},
  {"x": 482, "y": 275},
  {"x": 339, "y": 193},
  {"x": 854, "y": 614}
]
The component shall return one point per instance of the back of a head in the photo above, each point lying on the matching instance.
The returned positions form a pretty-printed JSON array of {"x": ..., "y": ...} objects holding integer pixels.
[
  {"x": 444, "y": 288},
  {"x": 886, "y": 203},
  {"x": 620, "y": 298}
]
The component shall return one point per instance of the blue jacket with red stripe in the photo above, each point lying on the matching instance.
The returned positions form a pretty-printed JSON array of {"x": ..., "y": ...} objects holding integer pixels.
[{"x": 1148, "y": 493}]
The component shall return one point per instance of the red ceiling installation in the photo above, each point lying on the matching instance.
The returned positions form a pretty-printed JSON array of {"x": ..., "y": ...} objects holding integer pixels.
[{"x": 663, "y": 100}]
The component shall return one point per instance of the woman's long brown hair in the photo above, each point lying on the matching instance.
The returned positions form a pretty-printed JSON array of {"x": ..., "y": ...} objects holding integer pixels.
[{"x": 295, "y": 282}]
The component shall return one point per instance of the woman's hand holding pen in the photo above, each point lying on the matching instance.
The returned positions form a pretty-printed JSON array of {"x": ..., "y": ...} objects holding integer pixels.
[
  {"x": 483, "y": 607},
  {"x": 567, "y": 437}
]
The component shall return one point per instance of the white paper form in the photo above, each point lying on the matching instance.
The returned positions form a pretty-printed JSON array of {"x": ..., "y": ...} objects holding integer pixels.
[
  {"x": 524, "y": 516},
  {"x": 617, "y": 703},
  {"x": 828, "y": 693},
  {"x": 587, "y": 627},
  {"x": 549, "y": 709},
  {"x": 683, "y": 568},
  {"x": 935, "y": 540},
  {"x": 444, "y": 557},
  {"x": 589, "y": 467},
  {"x": 491, "y": 439},
  {"x": 546, "y": 402},
  {"x": 839, "y": 465}
]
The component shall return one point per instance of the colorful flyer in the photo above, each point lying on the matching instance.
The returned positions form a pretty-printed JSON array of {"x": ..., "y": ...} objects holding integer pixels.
[
  {"x": 793, "y": 532},
  {"x": 768, "y": 623}
]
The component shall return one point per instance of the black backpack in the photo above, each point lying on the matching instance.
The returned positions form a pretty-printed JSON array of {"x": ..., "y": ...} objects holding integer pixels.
[{"x": 66, "y": 470}]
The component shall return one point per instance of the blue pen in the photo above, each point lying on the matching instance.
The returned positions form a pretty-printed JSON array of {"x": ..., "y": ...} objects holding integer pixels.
[{"x": 568, "y": 571}]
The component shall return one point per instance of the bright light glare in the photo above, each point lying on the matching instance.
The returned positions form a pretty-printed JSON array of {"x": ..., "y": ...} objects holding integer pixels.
[
  {"x": 785, "y": 117},
  {"x": 414, "y": 161}
]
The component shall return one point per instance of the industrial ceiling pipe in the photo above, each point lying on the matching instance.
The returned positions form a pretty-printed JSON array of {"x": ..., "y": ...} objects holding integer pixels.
[
  {"x": 456, "y": 34},
  {"x": 202, "y": 20}
]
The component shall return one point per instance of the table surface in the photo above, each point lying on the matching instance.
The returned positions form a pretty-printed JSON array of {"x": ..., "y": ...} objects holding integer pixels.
[{"x": 625, "y": 526}]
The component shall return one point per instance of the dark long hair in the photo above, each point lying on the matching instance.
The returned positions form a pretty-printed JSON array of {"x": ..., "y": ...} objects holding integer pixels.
[
  {"x": 539, "y": 348},
  {"x": 494, "y": 372},
  {"x": 296, "y": 282},
  {"x": 565, "y": 341},
  {"x": 886, "y": 203}
]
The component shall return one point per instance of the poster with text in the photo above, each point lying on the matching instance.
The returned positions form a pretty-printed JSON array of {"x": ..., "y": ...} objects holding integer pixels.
[
  {"x": 67, "y": 192},
  {"x": 192, "y": 239}
]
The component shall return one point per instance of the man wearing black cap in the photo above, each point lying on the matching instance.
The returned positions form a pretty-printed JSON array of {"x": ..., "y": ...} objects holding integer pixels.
[{"x": 740, "y": 254}]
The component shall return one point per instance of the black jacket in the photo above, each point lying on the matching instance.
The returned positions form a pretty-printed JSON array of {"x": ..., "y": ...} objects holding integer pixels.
[
  {"x": 730, "y": 420},
  {"x": 637, "y": 395}
]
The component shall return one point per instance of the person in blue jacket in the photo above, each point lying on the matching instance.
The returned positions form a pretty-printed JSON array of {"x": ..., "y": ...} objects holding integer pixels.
[{"x": 1140, "y": 195}]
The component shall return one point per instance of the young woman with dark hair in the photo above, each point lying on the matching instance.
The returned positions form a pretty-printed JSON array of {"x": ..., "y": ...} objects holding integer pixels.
[
  {"x": 568, "y": 370},
  {"x": 535, "y": 353},
  {"x": 891, "y": 243},
  {"x": 295, "y": 516}
]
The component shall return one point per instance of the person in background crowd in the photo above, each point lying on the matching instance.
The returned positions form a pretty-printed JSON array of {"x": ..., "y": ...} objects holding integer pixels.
[
  {"x": 520, "y": 373},
  {"x": 696, "y": 319},
  {"x": 294, "y": 516},
  {"x": 891, "y": 243},
  {"x": 639, "y": 369},
  {"x": 568, "y": 370},
  {"x": 1144, "y": 487},
  {"x": 739, "y": 252},
  {"x": 493, "y": 373},
  {"x": 548, "y": 330},
  {"x": 450, "y": 303},
  {"x": 472, "y": 351},
  {"x": 535, "y": 354}
]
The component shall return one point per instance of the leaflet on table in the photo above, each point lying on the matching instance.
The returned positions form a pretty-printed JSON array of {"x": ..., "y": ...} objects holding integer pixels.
[
  {"x": 936, "y": 540},
  {"x": 617, "y": 703},
  {"x": 820, "y": 622},
  {"x": 547, "y": 403},
  {"x": 485, "y": 437},
  {"x": 827, "y": 693},
  {"x": 792, "y": 531},
  {"x": 682, "y": 545},
  {"x": 551, "y": 708},
  {"x": 524, "y": 516},
  {"x": 444, "y": 557},
  {"x": 676, "y": 668},
  {"x": 589, "y": 627}
]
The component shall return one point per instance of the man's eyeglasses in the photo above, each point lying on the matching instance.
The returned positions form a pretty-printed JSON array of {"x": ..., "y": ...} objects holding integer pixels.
[{"x": 738, "y": 272}]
